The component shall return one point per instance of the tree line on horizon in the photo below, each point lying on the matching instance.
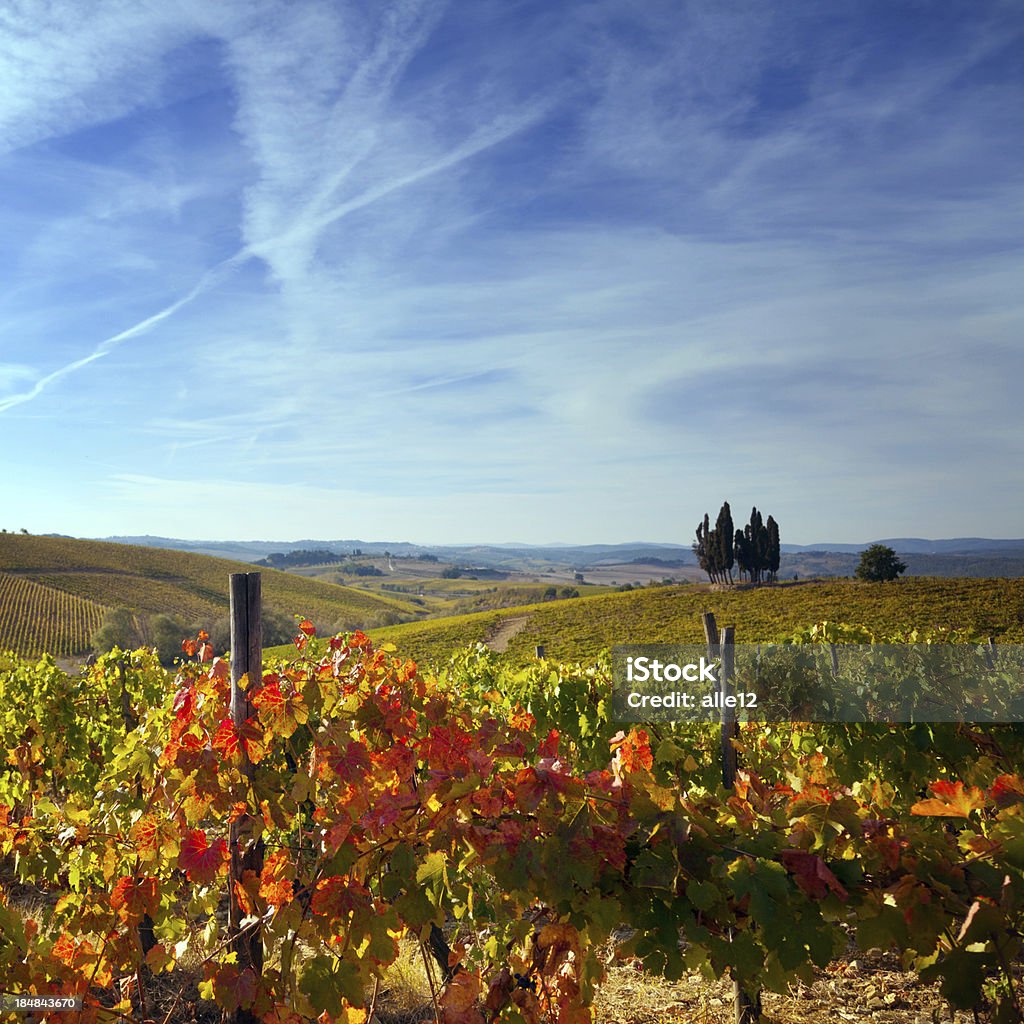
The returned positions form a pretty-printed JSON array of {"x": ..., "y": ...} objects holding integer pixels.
[{"x": 754, "y": 550}]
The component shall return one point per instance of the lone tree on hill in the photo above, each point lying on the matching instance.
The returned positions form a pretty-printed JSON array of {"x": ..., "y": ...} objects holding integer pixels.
[
  {"x": 878, "y": 564},
  {"x": 754, "y": 549}
]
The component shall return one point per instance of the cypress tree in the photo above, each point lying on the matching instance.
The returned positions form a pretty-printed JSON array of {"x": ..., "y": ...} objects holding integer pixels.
[
  {"x": 752, "y": 535},
  {"x": 762, "y": 548},
  {"x": 711, "y": 553},
  {"x": 742, "y": 558},
  {"x": 724, "y": 531},
  {"x": 774, "y": 550},
  {"x": 700, "y": 547},
  {"x": 754, "y": 550}
]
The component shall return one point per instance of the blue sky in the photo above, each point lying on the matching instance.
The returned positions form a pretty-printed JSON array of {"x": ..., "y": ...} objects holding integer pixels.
[{"x": 496, "y": 270}]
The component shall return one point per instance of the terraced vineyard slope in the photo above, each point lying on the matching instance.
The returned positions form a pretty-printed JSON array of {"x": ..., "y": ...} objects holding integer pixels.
[{"x": 54, "y": 591}]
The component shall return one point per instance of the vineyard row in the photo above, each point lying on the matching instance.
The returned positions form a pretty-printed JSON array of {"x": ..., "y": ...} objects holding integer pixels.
[{"x": 35, "y": 618}]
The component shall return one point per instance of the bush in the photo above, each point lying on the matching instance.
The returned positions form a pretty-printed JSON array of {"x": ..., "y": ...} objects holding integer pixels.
[
  {"x": 167, "y": 632},
  {"x": 119, "y": 628},
  {"x": 878, "y": 564}
]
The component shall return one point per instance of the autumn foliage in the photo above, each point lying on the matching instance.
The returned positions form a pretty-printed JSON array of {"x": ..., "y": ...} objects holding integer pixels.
[{"x": 518, "y": 822}]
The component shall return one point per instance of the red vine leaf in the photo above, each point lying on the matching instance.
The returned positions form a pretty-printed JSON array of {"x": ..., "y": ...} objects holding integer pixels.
[
  {"x": 235, "y": 989},
  {"x": 231, "y": 741},
  {"x": 338, "y": 896},
  {"x": 812, "y": 874},
  {"x": 445, "y": 747},
  {"x": 134, "y": 897},
  {"x": 282, "y": 713},
  {"x": 549, "y": 748},
  {"x": 199, "y": 858},
  {"x": 1007, "y": 790}
]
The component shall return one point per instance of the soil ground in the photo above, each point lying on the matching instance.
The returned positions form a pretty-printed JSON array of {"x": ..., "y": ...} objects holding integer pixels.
[
  {"x": 499, "y": 637},
  {"x": 858, "y": 987}
]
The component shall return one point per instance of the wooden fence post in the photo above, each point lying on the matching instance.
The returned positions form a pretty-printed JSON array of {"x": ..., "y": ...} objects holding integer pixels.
[
  {"x": 710, "y": 634},
  {"x": 246, "y": 854},
  {"x": 730, "y": 727},
  {"x": 746, "y": 1005}
]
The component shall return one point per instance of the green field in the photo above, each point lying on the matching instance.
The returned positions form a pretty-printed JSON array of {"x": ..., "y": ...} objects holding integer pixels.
[
  {"x": 421, "y": 584},
  {"x": 56, "y": 589},
  {"x": 579, "y": 629}
]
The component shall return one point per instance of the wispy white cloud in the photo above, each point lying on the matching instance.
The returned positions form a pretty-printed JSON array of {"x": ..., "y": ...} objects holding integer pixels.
[
  {"x": 108, "y": 345},
  {"x": 66, "y": 66},
  {"x": 301, "y": 136},
  {"x": 479, "y": 248}
]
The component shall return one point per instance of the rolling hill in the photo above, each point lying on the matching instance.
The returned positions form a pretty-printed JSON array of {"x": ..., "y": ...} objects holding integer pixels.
[
  {"x": 958, "y": 556},
  {"x": 578, "y": 630},
  {"x": 54, "y": 591}
]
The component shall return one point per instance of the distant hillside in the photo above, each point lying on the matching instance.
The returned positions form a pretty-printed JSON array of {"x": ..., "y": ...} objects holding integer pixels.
[
  {"x": 921, "y": 546},
  {"x": 53, "y": 591},
  {"x": 493, "y": 555},
  {"x": 253, "y": 550},
  {"x": 834, "y": 563},
  {"x": 967, "y": 556}
]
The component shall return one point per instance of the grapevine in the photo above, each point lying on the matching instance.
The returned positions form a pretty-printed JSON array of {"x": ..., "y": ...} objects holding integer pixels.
[{"x": 500, "y": 802}]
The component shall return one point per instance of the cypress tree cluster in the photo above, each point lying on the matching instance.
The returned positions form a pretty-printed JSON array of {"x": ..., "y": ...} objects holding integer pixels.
[{"x": 754, "y": 550}]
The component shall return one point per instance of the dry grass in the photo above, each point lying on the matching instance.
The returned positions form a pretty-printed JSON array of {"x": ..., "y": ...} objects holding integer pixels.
[
  {"x": 404, "y": 996},
  {"x": 855, "y": 988},
  {"x": 858, "y": 987}
]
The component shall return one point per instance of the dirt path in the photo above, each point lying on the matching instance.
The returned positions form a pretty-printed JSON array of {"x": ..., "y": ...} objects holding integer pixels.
[{"x": 497, "y": 639}]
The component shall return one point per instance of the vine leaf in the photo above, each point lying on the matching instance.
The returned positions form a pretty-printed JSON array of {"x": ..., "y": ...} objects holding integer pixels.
[
  {"x": 812, "y": 874},
  {"x": 951, "y": 800},
  {"x": 634, "y": 750},
  {"x": 275, "y": 886},
  {"x": 134, "y": 897},
  {"x": 233, "y": 988},
  {"x": 460, "y": 1002},
  {"x": 282, "y": 713},
  {"x": 199, "y": 858},
  {"x": 1007, "y": 790}
]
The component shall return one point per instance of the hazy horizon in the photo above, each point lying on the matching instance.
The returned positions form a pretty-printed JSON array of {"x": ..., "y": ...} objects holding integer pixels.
[
  {"x": 424, "y": 269},
  {"x": 525, "y": 544}
]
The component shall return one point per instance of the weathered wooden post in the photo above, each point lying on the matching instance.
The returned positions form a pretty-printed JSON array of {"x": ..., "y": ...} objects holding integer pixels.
[
  {"x": 730, "y": 727},
  {"x": 710, "y": 634},
  {"x": 246, "y": 853},
  {"x": 746, "y": 1006},
  {"x": 715, "y": 644},
  {"x": 990, "y": 652}
]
